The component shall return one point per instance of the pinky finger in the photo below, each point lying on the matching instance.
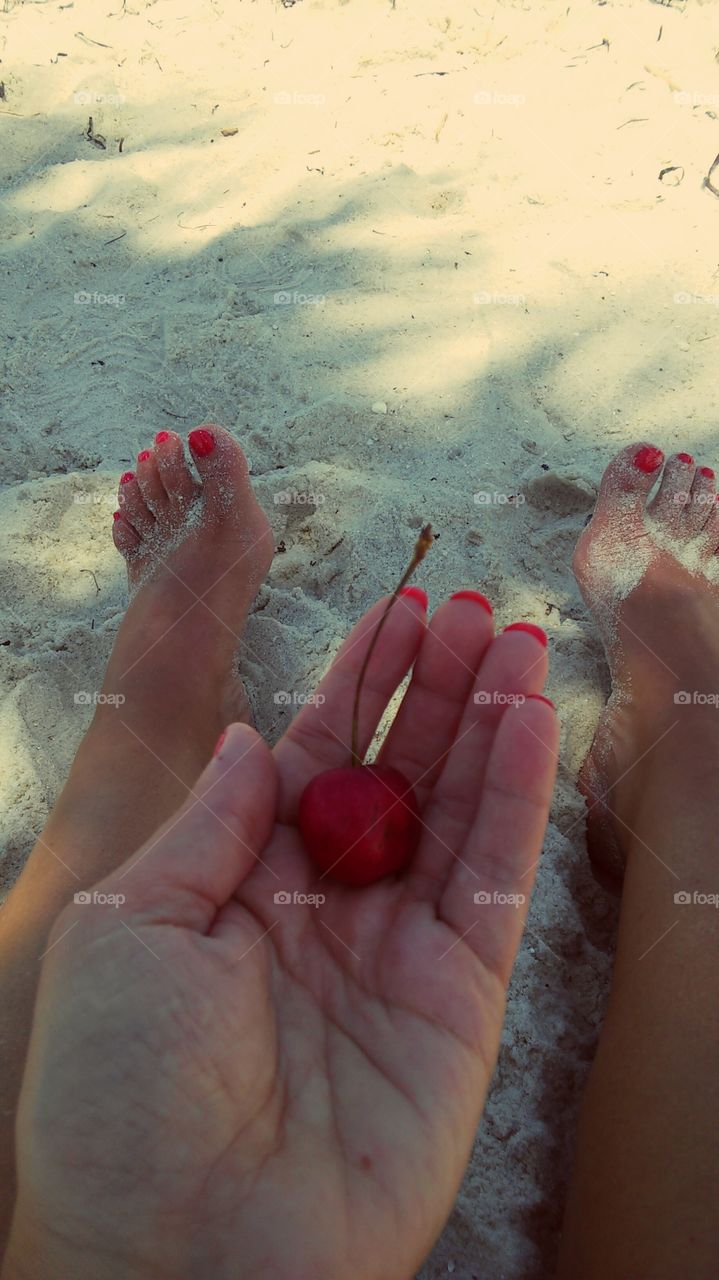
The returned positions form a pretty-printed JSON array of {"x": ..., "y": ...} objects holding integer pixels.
[{"x": 487, "y": 895}]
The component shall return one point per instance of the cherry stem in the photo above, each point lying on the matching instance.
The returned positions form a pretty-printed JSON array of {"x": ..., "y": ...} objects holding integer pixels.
[{"x": 422, "y": 546}]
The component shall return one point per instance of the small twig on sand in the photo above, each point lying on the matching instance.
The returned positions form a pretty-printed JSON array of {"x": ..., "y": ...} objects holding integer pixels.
[
  {"x": 97, "y": 139},
  {"x": 80, "y": 35},
  {"x": 708, "y": 180}
]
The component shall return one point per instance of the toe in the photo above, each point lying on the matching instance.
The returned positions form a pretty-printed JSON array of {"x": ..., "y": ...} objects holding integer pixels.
[
  {"x": 629, "y": 478},
  {"x": 710, "y": 532},
  {"x": 124, "y": 536},
  {"x": 702, "y": 501},
  {"x": 674, "y": 491},
  {"x": 150, "y": 484},
  {"x": 222, "y": 466},
  {"x": 134, "y": 509},
  {"x": 179, "y": 484}
]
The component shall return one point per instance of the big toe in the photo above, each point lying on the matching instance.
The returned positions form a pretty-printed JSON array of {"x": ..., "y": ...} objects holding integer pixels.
[
  {"x": 222, "y": 467},
  {"x": 618, "y": 521},
  {"x": 628, "y": 479}
]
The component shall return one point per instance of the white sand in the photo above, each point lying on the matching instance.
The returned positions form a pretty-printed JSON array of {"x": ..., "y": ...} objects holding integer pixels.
[{"x": 489, "y": 253}]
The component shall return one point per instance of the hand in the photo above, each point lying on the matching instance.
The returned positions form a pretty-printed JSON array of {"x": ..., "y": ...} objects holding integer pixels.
[{"x": 223, "y": 1084}]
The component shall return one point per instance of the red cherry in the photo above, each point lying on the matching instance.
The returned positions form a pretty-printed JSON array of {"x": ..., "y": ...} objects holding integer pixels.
[{"x": 360, "y": 823}]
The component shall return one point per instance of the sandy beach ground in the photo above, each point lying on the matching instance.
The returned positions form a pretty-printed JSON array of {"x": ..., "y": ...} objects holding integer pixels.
[{"x": 429, "y": 262}]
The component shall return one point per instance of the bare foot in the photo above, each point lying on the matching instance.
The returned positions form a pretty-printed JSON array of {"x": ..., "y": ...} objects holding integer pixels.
[
  {"x": 650, "y": 574},
  {"x": 197, "y": 553}
]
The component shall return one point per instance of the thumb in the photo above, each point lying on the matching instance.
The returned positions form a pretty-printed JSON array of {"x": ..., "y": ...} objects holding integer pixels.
[{"x": 195, "y": 862}]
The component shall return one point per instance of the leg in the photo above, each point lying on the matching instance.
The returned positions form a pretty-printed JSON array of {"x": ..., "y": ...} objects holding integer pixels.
[
  {"x": 197, "y": 553},
  {"x": 643, "y": 1199}
]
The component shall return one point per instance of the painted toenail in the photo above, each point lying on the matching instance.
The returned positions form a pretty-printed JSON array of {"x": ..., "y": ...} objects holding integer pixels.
[
  {"x": 685, "y": 457},
  {"x": 415, "y": 593},
  {"x": 539, "y": 697},
  {"x": 531, "y": 628},
  {"x": 201, "y": 441},
  {"x": 143, "y": 455},
  {"x": 648, "y": 459},
  {"x": 117, "y": 515},
  {"x": 126, "y": 477},
  {"x": 219, "y": 743},
  {"x": 473, "y": 595},
  {"x": 161, "y": 437},
  {"x": 706, "y": 472}
]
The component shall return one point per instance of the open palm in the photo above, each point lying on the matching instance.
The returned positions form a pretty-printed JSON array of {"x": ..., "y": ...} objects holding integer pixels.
[{"x": 229, "y": 1077}]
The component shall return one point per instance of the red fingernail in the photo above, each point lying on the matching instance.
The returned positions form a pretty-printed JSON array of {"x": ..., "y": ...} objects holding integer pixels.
[
  {"x": 648, "y": 459},
  {"x": 539, "y": 697},
  {"x": 201, "y": 441},
  {"x": 127, "y": 476},
  {"x": 415, "y": 593},
  {"x": 531, "y": 628},
  {"x": 686, "y": 457},
  {"x": 117, "y": 515},
  {"x": 707, "y": 472},
  {"x": 161, "y": 437},
  {"x": 473, "y": 595},
  {"x": 219, "y": 743},
  {"x": 143, "y": 455}
]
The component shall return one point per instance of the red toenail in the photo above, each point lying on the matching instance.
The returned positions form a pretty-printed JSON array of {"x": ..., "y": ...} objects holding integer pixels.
[
  {"x": 473, "y": 595},
  {"x": 685, "y": 457},
  {"x": 539, "y": 697},
  {"x": 117, "y": 515},
  {"x": 415, "y": 593},
  {"x": 143, "y": 455},
  {"x": 531, "y": 628},
  {"x": 648, "y": 459},
  {"x": 707, "y": 472},
  {"x": 127, "y": 476},
  {"x": 161, "y": 437},
  {"x": 220, "y": 741},
  {"x": 201, "y": 441}
]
